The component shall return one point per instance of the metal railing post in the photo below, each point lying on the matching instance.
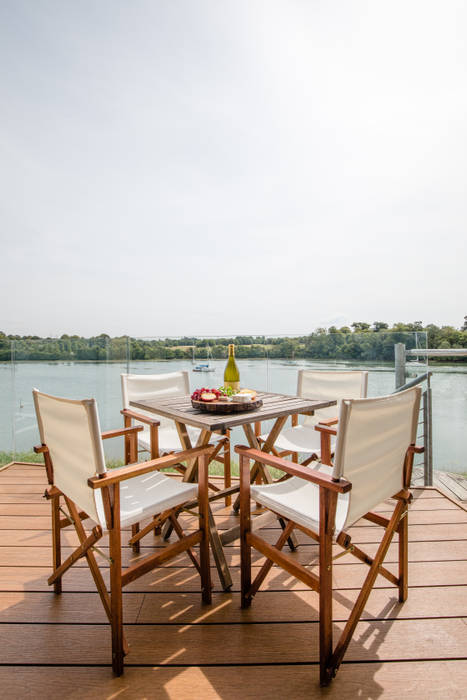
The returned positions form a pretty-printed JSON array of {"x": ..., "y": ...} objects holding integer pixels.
[
  {"x": 13, "y": 375},
  {"x": 399, "y": 364},
  {"x": 427, "y": 424},
  {"x": 429, "y": 433},
  {"x": 425, "y": 440}
]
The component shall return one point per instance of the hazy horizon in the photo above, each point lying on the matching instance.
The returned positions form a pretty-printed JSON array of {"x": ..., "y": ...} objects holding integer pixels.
[{"x": 249, "y": 167}]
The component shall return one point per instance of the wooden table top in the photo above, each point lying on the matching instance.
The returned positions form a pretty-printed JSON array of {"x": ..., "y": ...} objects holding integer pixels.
[{"x": 179, "y": 408}]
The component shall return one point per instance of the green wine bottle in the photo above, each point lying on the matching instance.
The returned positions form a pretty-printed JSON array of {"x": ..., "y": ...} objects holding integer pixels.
[{"x": 231, "y": 373}]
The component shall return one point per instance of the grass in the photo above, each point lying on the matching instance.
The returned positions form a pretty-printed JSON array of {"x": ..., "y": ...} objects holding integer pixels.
[
  {"x": 215, "y": 469},
  {"x": 7, "y": 457}
]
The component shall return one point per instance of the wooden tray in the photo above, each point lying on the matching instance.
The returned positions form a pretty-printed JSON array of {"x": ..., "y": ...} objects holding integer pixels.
[{"x": 226, "y": 406}]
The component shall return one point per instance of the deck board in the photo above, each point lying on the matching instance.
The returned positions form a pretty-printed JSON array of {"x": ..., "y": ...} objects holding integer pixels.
[{"x": 182, "y": 649}]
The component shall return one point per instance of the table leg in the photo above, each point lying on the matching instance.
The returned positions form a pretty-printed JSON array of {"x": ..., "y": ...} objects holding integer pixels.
[
  {"x": 189, "y": 476},
  {"x": 260, "y": 469},
  {"x": 268, "y": 445}
]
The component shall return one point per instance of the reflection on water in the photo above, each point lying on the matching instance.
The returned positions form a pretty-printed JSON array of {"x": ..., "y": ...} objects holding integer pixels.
[{"x": 102, "y": 381}]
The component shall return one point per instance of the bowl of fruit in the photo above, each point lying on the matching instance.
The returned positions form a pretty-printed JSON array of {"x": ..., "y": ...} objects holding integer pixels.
[{"x": 225, "y": 400}]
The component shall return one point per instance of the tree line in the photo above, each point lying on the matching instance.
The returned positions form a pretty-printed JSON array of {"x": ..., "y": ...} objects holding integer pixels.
[{"x": 360, "y": 341}]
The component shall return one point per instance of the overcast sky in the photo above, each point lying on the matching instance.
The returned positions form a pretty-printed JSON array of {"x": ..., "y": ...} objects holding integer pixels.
[{"x": 241, "y": 166}]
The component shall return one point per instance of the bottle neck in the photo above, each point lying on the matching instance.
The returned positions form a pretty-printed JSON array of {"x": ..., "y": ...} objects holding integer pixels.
[{"x": 231, "y": 351}]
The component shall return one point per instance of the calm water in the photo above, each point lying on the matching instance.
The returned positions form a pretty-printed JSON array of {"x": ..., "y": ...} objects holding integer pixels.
[{"x": 102, "y": 381}]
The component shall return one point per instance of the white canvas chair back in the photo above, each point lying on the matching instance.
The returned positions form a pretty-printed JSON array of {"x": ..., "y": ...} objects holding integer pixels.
[
  {"x": 138, "y": 387},
  {"x": 72, "y": 433},
  {"x": 372, "y": 441},
  {"x": 330, "y": 385}
]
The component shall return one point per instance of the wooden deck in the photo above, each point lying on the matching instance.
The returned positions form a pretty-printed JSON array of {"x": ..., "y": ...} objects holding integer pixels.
[
  {"x": 453, "y": 485},
  {"x": 59, "y": 646}
]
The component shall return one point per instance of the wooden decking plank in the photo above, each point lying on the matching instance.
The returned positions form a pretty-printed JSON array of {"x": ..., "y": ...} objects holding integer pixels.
[
  {"x": 452, "y": 485},
  {"x": 235, "y": 643},
  {"x": 417, "y": 533},
  {"x": 51, "y": 608},
  {"x": 446, "y": 679},
  {"x": 28, "y": 488},
  {"x": 18, "y": 480},
  {"x": 34, "y": 578},
  {"x": 25, "y": 555},
  {"x": 427, "y": 504},
  {"x": 21, "y": 499},
  {"x": 268, "y": 606},
  {"x": 31, "y": 504},
  {"x": 39, "y": 519}
]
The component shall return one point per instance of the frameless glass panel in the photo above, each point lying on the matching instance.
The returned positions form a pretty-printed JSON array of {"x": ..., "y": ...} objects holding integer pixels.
[
  {"x": 77, "y": 367},
  {"x": 8, "y": 403},
  {"x": 322, "y": 351},
  {"x": 85, "y": 372},
  {"x": 449, "y": 383}
]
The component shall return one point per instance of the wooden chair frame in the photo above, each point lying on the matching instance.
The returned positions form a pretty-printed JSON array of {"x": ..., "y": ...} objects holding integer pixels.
[
  {"x": 165, "y": 525},
  {"x": 222, "y": 445},
  {"x": 119, "y": 577},
  {"x": 329, "y": 658}
]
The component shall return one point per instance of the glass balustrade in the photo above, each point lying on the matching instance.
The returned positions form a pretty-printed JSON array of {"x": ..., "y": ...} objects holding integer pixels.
[{"x": 77, "y": 367}]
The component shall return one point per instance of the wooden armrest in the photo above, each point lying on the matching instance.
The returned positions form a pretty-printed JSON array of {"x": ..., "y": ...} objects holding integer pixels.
[
  {"x": 51, "y": 492},
  {"x": 40, "y": 449},
  {"x": 324, "y": 480},
  {"x": 121, "y": 431},
  {"x": 330, "y": 421},
  {"x": 139, "y": 416},
  {"x": 325, "y": 429},
  {"x": 417, "y": 449},
  {"x": 124, "y": 473}
]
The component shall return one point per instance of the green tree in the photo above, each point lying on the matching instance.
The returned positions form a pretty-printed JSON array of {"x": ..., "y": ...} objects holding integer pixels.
[{"x": 380, "y": 326}]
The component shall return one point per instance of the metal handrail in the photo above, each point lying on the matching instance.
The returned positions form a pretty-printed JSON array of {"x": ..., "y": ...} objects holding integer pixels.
[
  {"x": 426, "y": 408},
  {"x": 413, "y": 382}
]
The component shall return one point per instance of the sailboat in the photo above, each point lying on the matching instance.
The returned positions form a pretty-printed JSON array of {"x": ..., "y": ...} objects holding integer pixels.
[{"x": 203, "y": 366}]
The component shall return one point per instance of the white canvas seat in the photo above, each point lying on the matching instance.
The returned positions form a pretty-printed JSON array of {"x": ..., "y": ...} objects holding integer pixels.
[
  {"x": 138, "y": 387},
  {"x": 319, "y": 385},
  {"x": 298, "y": 500},
  {"x": 373, "y": 463},
  {"x": 301, "y": 438},
  {"x": 151, "y": 493},
  {"x": 72, "y": 445},
  {"x": 78, "y": 455},
  {"x": 159, "y": 435}
]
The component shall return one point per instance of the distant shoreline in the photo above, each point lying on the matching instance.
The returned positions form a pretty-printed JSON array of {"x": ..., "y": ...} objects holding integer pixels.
[{"x": 362, "y": 342}]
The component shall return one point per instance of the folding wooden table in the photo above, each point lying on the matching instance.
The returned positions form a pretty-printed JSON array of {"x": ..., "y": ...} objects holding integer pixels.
[{"x": 275, "y": 406}]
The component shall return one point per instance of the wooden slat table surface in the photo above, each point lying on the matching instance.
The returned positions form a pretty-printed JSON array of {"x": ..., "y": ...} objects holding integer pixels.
[
  {"x": 56, "y": 647},
  {"x": 274, "y": 406}
]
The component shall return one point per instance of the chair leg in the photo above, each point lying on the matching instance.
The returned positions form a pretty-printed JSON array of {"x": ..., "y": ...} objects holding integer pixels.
[
  {"x": 403, "y": 531},
  {"x": 56, "y": 541},
  {"x": 227, "y": 470},
  {"x": 292, "y": 539},
  {"x": 266, "y": 568},
  {"x": 181, "y": 535},
  {"x": 135, "y": 545},
  {"x": 367, "y": 587},
  {"x": 116, "y": 608},
  {"x": 245, "y": 529},
  {"x": 328, "y": 502},
  {"x": 203, "y": 501}
]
